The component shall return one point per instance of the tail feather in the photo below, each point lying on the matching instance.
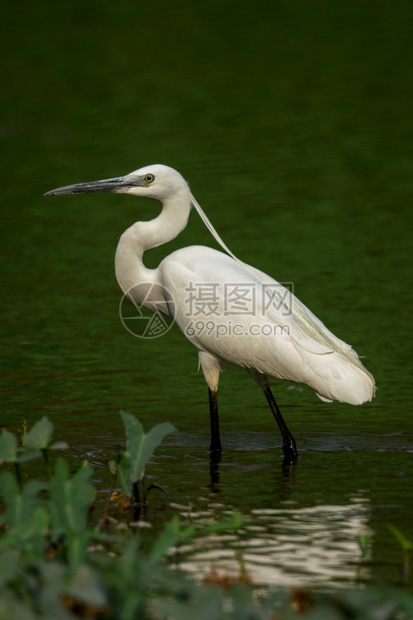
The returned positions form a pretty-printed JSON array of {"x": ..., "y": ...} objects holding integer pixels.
[{"x": 344, "y": 381}]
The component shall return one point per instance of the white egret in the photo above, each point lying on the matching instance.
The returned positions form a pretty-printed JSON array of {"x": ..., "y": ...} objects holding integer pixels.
[{"x": 229, "y": 310}]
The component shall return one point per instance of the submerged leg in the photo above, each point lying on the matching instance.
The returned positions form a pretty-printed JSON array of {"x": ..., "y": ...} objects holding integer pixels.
[
  {"x": 215, "y": 447},
  {"x": 211, "y": 369},
  {"x": 289, "y": 446}
]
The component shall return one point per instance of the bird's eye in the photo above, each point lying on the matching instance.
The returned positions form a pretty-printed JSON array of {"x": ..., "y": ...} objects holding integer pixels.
[{"x": 149, "y": 178}]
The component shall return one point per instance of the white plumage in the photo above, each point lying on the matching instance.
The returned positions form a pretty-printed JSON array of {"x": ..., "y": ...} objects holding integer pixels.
[
  {"x": 300, "y": 349},
  {"x": 267, "y": 330}
]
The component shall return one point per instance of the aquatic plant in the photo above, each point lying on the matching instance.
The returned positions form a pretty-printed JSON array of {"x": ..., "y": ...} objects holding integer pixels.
[{"x": 55, "y": 562}]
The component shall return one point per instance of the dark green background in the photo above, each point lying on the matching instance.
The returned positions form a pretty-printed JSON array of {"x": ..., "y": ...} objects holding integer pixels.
[{"x": 292, "y": 121}]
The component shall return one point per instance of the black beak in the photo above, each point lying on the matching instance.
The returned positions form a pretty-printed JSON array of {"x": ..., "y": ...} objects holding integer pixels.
[{"x": 118, "y": 184}]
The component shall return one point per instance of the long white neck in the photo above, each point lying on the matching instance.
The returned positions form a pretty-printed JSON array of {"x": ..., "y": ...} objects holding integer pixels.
[{"x": 141, "y": 236}]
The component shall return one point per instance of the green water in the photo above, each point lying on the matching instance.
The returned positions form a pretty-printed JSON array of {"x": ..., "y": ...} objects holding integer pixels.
[{"x": 293, "y": 123}]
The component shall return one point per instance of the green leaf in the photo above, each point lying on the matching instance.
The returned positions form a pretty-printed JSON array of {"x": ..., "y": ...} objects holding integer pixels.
[
  {"x": 39, "y": 435},
  {"x": 70, "y": 499},
  {"x": 12, "y": 608},
  {"x": 8, "y": 447},
  {"x": 9, "y": 565},
  {"x": 86, "y": 587},
  {"x": 234, "y": 523},
  {"x": 171, "y": 535},
  {"x": 112, "y": 467},
  {"x": 19, "y": 504},
  {"x": 8, "y": 487},
  {"x": 208, "y": 602},
  {"x": 28, "y": 454},
  {"x": 156, "y": 486},
  {"x": 364, "y": 541},
  {"x": 77, "y": 544},
  {"x": 404, "y": 542},
  {"x": 28, "y": 536},
  {"x": 141, "y": 446},
  {"x": 123, "y": 469},
  {"x": 35, "y": 526},
  {"x": 403, "y": 599},
  {"x": 59, "y": 445}
]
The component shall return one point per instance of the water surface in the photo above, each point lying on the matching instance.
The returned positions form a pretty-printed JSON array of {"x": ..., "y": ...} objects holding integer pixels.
[{"x": 292, "y": 123}]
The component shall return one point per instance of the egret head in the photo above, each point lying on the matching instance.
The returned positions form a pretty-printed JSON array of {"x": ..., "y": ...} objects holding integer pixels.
[{"x": 155, "y": 181}]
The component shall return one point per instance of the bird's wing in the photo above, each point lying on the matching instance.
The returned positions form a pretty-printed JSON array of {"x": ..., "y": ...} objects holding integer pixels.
[
  {"x": 306, "y": 329},
  {"x": 201, "y": 279},
  {"x": 279, "y": 336}
]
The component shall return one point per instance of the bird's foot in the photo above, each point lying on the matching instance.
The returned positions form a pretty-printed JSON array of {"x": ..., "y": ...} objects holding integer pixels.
[
  {"x": 214, "y": 454},
  {"x": 290, "y": 459},
  {"x": 290, "y": 452}
]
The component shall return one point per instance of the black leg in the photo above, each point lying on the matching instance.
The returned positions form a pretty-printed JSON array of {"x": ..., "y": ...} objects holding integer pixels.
[
  {"x": 215, "y": 448},
  {"x": 289, "y": 447},
  {"x": 214, "y": 460}
]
